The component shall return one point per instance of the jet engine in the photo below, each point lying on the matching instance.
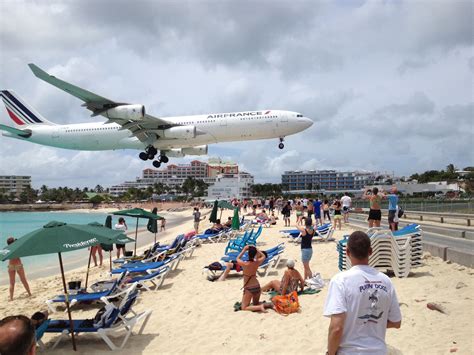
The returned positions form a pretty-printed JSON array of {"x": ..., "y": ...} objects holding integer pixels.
[
  {"x": 180, "y": 132},
  {"x": 198, "y": 150},
  {"x": 126, "y": 112}
]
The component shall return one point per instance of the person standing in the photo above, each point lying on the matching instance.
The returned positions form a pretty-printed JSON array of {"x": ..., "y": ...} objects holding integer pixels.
[
  {"x": 16, "y": 267},
  {"x": 286, "y": 212},
  {"x": 271, "y": 204},
  {"x": 163, "y": 225},
  {"x": 310, "y": 210},
  {"x": 362, "y": 304},
  {"x": 121, "y": 226},
  {"x": 307, "y": 234},
  {"x": 326, "y": 211},
  {"x": 346, "y": 202},
  {"x": 337, "y": 213},
  {"x": 317, "y": 211},
  {"x": 375, "y": 201},
  {"x": 392, "y": 208},
  {"x": 97, "y": 249},
  {"x": 299, "y": 213},
  {"x": 197, "y": 219}
]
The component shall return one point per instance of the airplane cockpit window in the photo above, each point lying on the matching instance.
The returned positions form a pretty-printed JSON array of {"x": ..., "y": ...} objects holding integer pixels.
[{"x": 299, "y": 115}]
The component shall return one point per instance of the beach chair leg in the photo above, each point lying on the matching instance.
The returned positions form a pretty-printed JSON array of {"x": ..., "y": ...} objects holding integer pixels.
[
  {"x": 146, "y": 315},
  {"x": 63, "y": 334},
  {"x": 51, "y": 306},
  {"x": 103, "y": 334}
]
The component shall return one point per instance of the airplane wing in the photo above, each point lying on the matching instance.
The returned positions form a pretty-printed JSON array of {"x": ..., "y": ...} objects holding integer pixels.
[{"x": 99, "y": 105}]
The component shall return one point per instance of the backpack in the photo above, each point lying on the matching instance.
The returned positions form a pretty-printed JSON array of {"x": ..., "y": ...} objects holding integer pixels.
[{"x": 286, "y": 304}]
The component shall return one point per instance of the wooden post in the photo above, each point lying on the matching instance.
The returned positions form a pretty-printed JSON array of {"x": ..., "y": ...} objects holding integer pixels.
[
  {"x": 136, "y": 236},
  {"x": 88, "y": 267},
  {"x": 71, "y": 324}
]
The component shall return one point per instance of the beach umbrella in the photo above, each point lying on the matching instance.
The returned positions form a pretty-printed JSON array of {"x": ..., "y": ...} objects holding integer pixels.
[
  {"x": 59, "y": 237},
  {"x": 213, "y": 216},
  {"x": 105, "y": 246},
  {"x": 137, "y": 213},
  {"x": 236, "y": 220},
  {"x": 152, "y": 225}
]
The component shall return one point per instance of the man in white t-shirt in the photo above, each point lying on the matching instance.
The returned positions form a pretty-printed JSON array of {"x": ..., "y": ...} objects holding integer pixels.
[
  {"x": 362, "y": 304},
  {"x": 346, "y": 202}
]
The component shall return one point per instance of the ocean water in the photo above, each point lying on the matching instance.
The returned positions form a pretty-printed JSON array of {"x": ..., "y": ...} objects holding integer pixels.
[{"x": 17, "y": 224}]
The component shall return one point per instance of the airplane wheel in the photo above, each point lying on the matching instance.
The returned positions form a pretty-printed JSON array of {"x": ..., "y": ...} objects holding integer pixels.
[
  {"x": 151, "y": 155},
  {"x": 143, "y": 156},
  {"x": 156, "y": 164},
  {"x": 281, "y": 146},
  {"x": 164, "y": 159},
  {"x": 152, "y": 151}
]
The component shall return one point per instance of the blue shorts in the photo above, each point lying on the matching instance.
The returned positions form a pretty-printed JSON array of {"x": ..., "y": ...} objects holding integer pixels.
[
  {"x": 317, "y": 215},
  {"x": 306, "y": 254}
]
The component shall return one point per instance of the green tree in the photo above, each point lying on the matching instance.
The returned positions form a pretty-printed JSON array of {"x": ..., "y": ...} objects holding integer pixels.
[{"x": 99, "y": 189}]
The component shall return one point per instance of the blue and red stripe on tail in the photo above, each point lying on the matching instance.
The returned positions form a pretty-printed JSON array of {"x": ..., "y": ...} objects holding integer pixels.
[{"x": 20, "y": 112}]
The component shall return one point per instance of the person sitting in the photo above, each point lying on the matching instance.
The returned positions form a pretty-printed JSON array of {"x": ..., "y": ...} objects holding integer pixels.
[
  {"x": 228, "y": 224},
  {"x": 217, "y": 227},
  {"x": 262, "y": 216},
  {"x": 273, "y": 219},
  {"x": 39, "y": 318},
  {"x": 289, "y": 282},
  {"x": 229, "y": 266}
]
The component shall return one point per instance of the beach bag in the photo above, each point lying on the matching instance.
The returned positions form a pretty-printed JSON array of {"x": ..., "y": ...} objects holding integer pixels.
[{"x": 286, "y": 304}]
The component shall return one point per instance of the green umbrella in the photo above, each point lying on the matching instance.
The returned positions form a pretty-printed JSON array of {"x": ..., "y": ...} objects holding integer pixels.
[
  {"x": 213, "y": 216},
  {"x": 225, "y": 204},
  {"x": 137, "y": 213},
  {"x": 59, "y": 237},
  {"x": 152, "y": 225},
  {"x": 236, "y": 220}
]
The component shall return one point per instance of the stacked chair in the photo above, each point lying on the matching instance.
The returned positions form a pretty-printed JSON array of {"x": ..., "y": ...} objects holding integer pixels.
[
  {"x": 399, "y": 251},
  {"x": 249, "y": 238}
]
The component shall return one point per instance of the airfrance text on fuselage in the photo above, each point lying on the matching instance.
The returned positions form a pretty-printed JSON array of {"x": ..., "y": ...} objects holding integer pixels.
[{"x": 237, "y": 114}]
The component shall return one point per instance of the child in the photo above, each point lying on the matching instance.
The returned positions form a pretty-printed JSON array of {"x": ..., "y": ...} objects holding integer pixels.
[{"x": 163, "y": 225}]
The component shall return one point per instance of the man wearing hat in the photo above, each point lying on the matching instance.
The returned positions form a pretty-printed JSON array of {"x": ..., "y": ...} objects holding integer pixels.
[{"x": 289, "y": 282}]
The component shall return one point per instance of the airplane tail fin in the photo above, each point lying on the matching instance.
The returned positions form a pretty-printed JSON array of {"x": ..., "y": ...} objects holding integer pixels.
[{"x": 20, "y": 112}]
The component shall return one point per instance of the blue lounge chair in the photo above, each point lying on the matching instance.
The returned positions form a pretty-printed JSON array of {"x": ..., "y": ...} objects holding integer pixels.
[
  {"x": 88, "y": 296},
  {"x": 155, "y": 277},
  {"x": 114, "y": 319}
]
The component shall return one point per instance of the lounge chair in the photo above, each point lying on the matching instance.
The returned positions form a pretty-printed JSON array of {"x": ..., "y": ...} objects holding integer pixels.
[
  {"x": 117, "y": 286},
  {"x": 139, "y": 267},
  {"x": 114, "y": 319},
  {"x": 155, "y": 277}
]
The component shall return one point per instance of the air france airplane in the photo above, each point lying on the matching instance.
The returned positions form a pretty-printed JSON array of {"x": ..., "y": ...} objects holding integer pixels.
[{"x": 128, "y": 126}]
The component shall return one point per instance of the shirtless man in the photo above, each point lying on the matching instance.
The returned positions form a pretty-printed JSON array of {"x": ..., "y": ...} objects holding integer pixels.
[
  {"x": 289, "y": 282},
  {"x": 251, "y": 287}
]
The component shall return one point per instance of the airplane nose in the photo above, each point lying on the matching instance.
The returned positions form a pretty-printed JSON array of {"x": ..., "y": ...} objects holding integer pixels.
[{"x": 306, "y": 122}]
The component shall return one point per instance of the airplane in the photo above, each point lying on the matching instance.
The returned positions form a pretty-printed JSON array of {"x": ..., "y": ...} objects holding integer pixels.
[{"x": 129, "y": 126}]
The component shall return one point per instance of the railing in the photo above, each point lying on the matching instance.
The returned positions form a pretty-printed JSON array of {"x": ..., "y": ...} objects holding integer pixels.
[
  {"x": 442, "y": 216},
  {"x": 451, "y": 206}
]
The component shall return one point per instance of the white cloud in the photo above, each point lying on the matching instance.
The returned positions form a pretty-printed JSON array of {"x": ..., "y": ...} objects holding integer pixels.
[{"x": 389, "y": 84}]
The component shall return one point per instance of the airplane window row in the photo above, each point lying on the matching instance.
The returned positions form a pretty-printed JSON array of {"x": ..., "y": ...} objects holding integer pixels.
[
  {"x": 91, "y": 129},
  {"x": 299, "y": 115}
]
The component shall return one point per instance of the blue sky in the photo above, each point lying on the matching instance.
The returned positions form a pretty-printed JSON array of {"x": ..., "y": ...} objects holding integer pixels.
[{"x": 388, "y": 84}]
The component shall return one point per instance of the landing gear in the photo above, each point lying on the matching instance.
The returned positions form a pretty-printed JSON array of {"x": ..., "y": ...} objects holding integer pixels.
[
  {"x": 156, "y": 163},
  {"x": 281, "y": 145},
  {"x": 143, "y": 156},
  {"x": 164, "y": 159},
  {"x": 149, "y": 153}
]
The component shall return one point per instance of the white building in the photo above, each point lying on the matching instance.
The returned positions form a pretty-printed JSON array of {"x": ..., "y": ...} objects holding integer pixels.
[
  {"x": 229, "y": 186},
  {"x": 413, "y": 187}
]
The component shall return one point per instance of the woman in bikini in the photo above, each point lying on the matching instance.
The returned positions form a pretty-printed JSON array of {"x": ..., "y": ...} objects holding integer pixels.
[
  {"x": 289, "y": 282},
  {"x": 251, "y": 287},
  {"x": 299, "y": 213},
  {"x": 16, "y": 267}
]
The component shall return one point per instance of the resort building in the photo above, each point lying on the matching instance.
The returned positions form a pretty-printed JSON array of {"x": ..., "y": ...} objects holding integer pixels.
[
  {"x": 228, "y": 186},
  {"x": 14, "y": 184},
  {"x": 173, "y": 175},
  {"x": 325, "y": 180}
]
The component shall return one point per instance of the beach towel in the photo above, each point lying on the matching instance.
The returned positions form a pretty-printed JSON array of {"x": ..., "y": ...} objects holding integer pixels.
[{"x": 306, "y": 291}]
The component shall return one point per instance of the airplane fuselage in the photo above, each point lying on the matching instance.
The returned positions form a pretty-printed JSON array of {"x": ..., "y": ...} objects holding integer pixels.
[{"x": 211, "y": 128}]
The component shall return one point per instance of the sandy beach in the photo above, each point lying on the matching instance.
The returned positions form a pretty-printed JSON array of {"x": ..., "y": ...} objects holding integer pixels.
[{"x": 194, "y": 316}]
